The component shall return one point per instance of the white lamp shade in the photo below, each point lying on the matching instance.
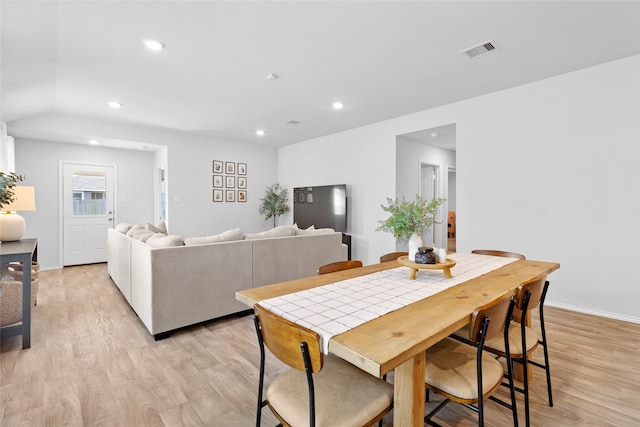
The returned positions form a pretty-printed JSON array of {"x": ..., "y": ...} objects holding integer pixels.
[{"x": 24, "y": 199}]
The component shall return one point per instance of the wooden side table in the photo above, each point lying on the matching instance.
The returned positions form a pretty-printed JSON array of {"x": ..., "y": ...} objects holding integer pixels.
[{"x": 24, "y": 251}]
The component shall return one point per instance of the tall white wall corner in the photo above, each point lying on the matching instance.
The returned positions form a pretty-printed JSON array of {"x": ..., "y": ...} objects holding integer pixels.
[{"x": 7, "y": 150}]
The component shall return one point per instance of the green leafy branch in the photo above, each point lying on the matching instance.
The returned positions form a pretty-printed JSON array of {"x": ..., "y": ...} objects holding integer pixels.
[
  {"x": 7, "y": 185},
  {"x": 409, "y": 218}
]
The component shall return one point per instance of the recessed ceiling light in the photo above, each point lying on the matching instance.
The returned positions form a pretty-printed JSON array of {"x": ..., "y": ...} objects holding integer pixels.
[
  {"x": 94, "y": 142},
  {"x": 154, "y": 45},
  {"x": 259, "y": 132},
  {"x": 434, "y": 134},
  {"x": 337, "y": 105},
  {"x": 115, "y": 105}
]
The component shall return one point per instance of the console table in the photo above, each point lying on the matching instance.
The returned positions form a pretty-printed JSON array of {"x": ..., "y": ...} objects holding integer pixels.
[{"x": 24, "y": 251}]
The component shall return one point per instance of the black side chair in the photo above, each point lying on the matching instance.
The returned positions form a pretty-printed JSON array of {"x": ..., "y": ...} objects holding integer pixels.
[
  {"x": 498, "y": 253},
  {"x": 317, "y": 390},
  {"x": 467, "y": 374},
  {"x": 338, "y": 266},
  {"x": 523, "y": 340},
  {"x": 392, "y": 255}
]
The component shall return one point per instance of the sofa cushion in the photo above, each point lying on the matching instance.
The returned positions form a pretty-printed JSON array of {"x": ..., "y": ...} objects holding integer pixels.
[
  {"x": 281, "y": 231},
  {"x": 165, "y": 241},
  {"x": 123, "y": 227},
  {"x": 227, "y": 236},
  {"x": 158, "y": 228}
]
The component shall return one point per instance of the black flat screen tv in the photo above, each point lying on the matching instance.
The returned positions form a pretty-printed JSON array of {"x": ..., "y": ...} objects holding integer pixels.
[{"x": 322, "y": 206}]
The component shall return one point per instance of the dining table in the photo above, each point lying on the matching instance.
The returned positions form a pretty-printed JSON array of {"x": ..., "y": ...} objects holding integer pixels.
[{"x": 397, "y": 340}]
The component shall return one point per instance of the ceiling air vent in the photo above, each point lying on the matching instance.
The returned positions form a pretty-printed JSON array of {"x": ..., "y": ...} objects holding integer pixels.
[
  {"x": 291, "y": 122},
  {"x": 481, "y": 49}
]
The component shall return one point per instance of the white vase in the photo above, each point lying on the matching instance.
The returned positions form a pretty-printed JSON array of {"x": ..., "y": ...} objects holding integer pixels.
[{"x": 414, "y": 243}]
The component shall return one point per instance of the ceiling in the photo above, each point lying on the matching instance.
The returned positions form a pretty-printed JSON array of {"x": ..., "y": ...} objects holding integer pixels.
[{"x": 381, "y": 59}]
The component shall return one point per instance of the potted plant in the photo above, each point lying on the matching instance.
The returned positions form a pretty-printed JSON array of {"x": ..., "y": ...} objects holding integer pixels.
[
  {"x": 275, "y": 202},
  {"x": 7, "y": 185},
  {"x": 408, "y": 220}
]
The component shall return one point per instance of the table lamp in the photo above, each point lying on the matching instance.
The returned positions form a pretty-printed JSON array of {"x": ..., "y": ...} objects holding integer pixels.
[{"x": 12, "y": 225}]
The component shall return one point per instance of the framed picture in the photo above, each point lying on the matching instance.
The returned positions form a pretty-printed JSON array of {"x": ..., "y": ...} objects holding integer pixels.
[
  {"x": 309, "y": 197},
  {"x": 217, "y": 181},
  {"x": 217, "y": 195},
  {"x": 242, "y": 182},
  {"x": 231, "y": 182},
  {"x": 242, "y": 195},
  {"x": 242, "y": 168},
  {"x": 231, "y": 195},
  {"x": 230, "y": 167},
  {"x": 217, "y": 166},
  {"x": 301, "y": 197}
]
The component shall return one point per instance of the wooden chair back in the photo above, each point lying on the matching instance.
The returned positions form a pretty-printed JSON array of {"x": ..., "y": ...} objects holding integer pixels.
[
  {"x": 498, "y": 253},
  {"x": 284, "y": 338},
  {"x": 497, "y": 311},
  {"x": 392, "y": 255},
  {"x": 536, "y": 287},
  {"x": 338, "y": 266}
]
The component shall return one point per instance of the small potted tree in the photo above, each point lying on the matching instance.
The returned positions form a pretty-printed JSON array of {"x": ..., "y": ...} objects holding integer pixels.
[
  {"x": 409, "y": 220},
  {"x": 275, "y": 202}
]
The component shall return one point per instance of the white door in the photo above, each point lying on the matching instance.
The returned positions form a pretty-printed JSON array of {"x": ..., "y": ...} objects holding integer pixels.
[{"x": 87, "y": 212}]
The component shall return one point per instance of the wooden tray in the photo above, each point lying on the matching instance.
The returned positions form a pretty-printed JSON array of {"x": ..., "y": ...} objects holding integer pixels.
[{"x": 414, "y": 267}]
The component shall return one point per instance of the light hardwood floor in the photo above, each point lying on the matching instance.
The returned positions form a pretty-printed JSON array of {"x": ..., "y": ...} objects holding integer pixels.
[{"x": 92, "y": 363}]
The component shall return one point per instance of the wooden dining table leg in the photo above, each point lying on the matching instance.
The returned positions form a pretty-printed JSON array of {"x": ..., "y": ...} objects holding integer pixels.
[{"x": 409, "y": 392}]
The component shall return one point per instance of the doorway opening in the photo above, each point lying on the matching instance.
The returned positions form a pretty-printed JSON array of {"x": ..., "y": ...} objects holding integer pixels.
[{"x": 429, "y": 189}]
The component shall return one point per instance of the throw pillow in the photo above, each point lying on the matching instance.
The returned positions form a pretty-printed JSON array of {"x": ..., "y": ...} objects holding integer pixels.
[
  {"x": 166, "y": 241},
  {"x": 133, "y": 229},
  {"x": 155, "y": 236},
  {"x": 281, "y": 231},
  {"x": 313, "y": 230},
  {"x": 227, "y": 236},
  {"x": 158, "y": 228},
  {"x": 142, "y": 235},
  {"x": 123, "y": 227}
]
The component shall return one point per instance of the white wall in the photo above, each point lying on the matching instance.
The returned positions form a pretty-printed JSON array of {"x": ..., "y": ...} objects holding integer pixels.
[
  {"x": 361, "y": 159},
  {"x": 410, "y": 155},
  {"x": 189, "y": 177},
  {"x": 39, "y": 162},
  {"x": 549, "y": 169},
  {"x": 192, "y": 211}
]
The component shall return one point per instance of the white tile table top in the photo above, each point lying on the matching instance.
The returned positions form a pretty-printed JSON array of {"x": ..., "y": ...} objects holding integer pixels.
[{"x": 335, "y": 308}]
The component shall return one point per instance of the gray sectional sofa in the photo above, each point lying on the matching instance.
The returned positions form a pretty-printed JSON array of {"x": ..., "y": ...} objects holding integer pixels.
[{"x": 171, "y": 283}]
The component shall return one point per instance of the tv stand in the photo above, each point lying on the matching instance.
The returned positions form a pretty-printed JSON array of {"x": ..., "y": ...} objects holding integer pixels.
[{"x": 346, "y": 239}]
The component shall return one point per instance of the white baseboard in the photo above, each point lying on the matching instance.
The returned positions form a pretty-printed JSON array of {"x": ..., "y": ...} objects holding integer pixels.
[{"x": 593, "y": 312}]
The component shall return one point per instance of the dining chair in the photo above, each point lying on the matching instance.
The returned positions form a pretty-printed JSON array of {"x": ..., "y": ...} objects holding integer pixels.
[
  {"x": 317, "y": 390},
  {"x": 338, "y": 266},
  {"x": 523, "y": 340},
  {"x": 516, "y": 312},
  {"x": 497, "y": 253},
  {"x": 392, "y": 255},
  {"x": 467, "y": 374}
]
